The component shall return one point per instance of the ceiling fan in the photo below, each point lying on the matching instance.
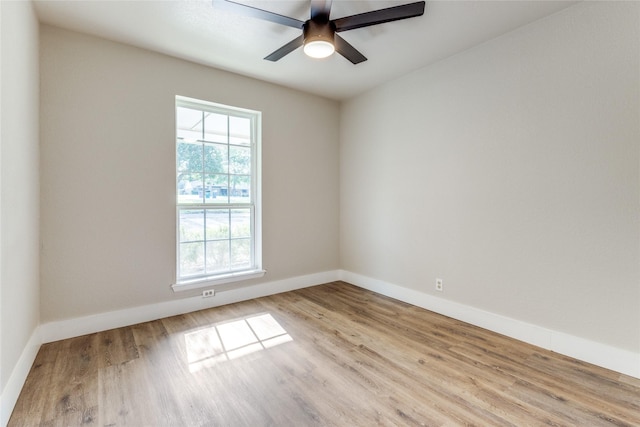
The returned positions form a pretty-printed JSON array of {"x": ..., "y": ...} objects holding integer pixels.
[{"x": 319, "y": 36}]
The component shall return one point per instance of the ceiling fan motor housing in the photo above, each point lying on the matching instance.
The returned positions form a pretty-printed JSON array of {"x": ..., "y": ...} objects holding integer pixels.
[{"x": 318, "y": 31}]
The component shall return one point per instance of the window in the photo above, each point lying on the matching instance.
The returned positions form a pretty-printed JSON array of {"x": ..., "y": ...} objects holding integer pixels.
[{"x": 218, "y": 194}]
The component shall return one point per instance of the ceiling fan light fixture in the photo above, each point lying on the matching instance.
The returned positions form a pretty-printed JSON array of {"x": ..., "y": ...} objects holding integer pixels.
[{"x": 319, "y": 48}]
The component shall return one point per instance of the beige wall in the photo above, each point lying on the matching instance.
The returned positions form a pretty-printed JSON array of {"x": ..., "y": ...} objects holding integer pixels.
[
  {"x": 108, "y": 190},
  {"x": 19, "y": 192},
  {"x": 511, "y": 171}
]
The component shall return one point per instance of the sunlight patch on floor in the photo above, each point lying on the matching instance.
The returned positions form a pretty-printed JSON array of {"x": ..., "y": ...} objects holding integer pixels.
[{"x": 233, "y": 339}]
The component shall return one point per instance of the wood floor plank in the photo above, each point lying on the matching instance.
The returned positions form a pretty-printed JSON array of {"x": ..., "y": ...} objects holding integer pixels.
[
  {"x": 74, "y": 387},
  {"x": 161, "y": 370},
  {"x": 120, "y": 391},
  {"x": 36, "y": 390},
  {"x": 116, "y": 346},
  {"x": 329, "y": 355}
]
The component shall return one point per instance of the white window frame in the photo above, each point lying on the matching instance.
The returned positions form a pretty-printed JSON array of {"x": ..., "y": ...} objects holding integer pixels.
[{"x": 255, "y": 271}]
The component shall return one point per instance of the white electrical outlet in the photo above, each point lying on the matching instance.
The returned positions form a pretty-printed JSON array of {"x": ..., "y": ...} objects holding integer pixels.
[
  {"x": 208, "y": 293},
  {"x": 439, "y": 286}
]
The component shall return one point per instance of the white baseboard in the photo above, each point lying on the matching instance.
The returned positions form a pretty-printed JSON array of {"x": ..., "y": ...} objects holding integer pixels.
[
  {"x": 62, "y": 329},
  {"x": 12, "y": 390},
  {"x": 619, "y": 360}
]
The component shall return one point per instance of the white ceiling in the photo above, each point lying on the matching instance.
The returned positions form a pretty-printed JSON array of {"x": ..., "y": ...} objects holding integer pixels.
[{"x": 196, "y": 31}]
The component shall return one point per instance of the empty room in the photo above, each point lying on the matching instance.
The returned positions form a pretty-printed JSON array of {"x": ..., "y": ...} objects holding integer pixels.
[{"x": 345, "y": 213}]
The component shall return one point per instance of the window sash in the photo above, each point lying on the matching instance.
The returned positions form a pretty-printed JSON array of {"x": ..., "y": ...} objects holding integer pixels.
[{"x": 204, "y": 240}]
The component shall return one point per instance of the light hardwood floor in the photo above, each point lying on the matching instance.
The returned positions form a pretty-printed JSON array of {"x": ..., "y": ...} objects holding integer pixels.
[{"x": 328, "y": 355}]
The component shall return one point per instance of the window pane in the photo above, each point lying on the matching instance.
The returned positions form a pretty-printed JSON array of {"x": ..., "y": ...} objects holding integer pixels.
[
  {"x": 240, "y": 223},
  {"x": 240, "y": 190},
  {"x": 215, "y": 127},
  {"x": 190, "y": 188},
  {"x": 184, "y": 189},
  {"x": 239, "y": 131},
  {"x": 217, "y": 188},
  {"x": 191, "y": 225},
  {"x": 217, "y": 224},
  {"x": 216, "y": 158},
  {"x": 240, "y": 160},
  {"x": 189, "y": 157},
  {"x": 241, "y": 253},
  {"x": 209, "y": 188},
  {"x": 188, "y": 124},
  {"x": 217, "y": 256},
  {"x": 191, "y": 259}
]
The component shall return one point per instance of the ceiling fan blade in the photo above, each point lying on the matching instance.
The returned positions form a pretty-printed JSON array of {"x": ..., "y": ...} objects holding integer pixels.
[
  {"x": 320, "y": 10},
  {"x": 379, "y": 16},
  {"x": 286, "y": 49},
  {"x": 345, "y": 49},
  {"x": 254, "y": 12}
]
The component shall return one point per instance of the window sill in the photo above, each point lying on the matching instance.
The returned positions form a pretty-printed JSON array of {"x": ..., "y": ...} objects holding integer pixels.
[{"x": 206, "y": 282}]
